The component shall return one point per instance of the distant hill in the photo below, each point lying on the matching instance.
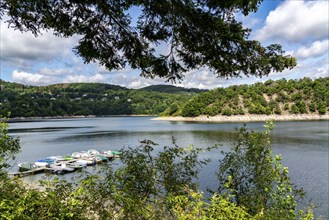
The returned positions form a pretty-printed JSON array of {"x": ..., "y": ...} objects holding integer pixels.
[
  {"x": 172, "y": 89},
  {"x": 87, "y": 87},
  {"x": 71, "y": 99},
  {"x": 11, "y": 85}
]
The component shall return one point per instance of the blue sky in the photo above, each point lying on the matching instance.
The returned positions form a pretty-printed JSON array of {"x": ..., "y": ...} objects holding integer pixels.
[{"x": 301, "y": 27}]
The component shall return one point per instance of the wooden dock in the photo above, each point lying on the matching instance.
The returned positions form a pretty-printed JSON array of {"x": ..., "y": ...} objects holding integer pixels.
[{"x": 30, "y": 172}]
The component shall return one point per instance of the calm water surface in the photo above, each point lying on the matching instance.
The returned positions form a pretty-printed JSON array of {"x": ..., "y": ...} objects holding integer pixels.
[{"x": 303, "y": 145}]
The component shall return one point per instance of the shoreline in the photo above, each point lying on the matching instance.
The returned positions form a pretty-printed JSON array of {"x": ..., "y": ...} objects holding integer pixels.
[
  {"x": 19, "y": 119},
  {"x": 245, "y": 118},
  {"x": 201, "y": 118},
  {"x": 22, "y": 119}
]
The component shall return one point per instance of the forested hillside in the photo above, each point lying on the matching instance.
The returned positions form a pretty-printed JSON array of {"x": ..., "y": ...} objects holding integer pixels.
[
  {"x": 85, "y": 99},
  {"x": 272, "y": 97}
]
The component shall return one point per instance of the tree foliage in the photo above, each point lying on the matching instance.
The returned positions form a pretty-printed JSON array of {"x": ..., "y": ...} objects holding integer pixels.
[
  {"x": 251, "y": 177},
  {"x": 109, "y": 35},
  {"x": 9, "y": 146}
]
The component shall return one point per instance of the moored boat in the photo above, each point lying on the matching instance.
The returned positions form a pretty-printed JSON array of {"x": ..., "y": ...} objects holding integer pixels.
[
  {"x": 57, "y": 159},
  {"x": 111, "y": 154},
  {"x": 41, "y": 164},
  {"x": 108, "y": 154},
  {"x": 86, "y": 162},
  {"x": 93, "y": 152},
  {"x": 68, "y": 157},
  {"x": 116, "y": 154},
  {"x": 60, "y": 168},
  {"x": 25, "y": 166},
  {"x": 44, "y": 162},
  {"x": 77, "y": 155},
  {"x": 76, "y": 165},
  {"x": 102, "y": 158}
]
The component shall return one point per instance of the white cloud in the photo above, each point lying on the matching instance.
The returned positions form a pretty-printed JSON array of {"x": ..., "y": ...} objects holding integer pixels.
[
  {"x": 96, "y": 78},
  {"x": 138, "y": 84},
  {"x": 82, "y": 78},
  {"x": 55, "y": 72},
  {"x": 314, "y": 69},
  {"x": 201, "y": 79},
  {"x": 30, "y": 78},
  {"x": 318, "y": 48},
  {"x": 296, "y": 21},
  {"x": 102, "y": 69},
  {"x": 52, "y": 76},
  {"x": 26, "y": 49}
]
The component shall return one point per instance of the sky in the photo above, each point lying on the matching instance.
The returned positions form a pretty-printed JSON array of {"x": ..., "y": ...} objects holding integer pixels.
[{"x": 301, "y": 27}]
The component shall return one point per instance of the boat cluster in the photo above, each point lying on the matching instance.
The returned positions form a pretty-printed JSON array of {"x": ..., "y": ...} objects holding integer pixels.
[{"x": 68, "y": 163}]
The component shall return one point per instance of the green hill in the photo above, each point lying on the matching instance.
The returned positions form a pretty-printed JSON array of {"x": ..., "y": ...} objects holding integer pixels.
[
  {"x": 303, "y": 96},
  {"x": 85, "y": 99}
]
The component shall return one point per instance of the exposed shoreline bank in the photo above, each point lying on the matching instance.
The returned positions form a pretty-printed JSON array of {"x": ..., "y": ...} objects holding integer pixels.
[
  {"x": 246, "y": 118},
  {"x": 201, "y": 118}
]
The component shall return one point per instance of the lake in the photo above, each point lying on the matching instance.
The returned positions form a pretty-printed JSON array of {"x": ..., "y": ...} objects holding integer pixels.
[{"x": 303, "y": 144}]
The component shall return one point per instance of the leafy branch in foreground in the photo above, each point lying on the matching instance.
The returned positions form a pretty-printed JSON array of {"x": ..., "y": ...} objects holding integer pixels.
[
  {"x": 9, "y": 146},
  {"x": 110, "y": 37}
]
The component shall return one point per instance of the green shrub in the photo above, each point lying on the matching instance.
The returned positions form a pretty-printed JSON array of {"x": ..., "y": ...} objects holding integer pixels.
[
  {"x": 294, "y": 109},
  {"x": 322, "y": 108},
  {"x": 227, "y": 111},
  {"x": 251, "y": 177},
  {"x": 312, "y": 107}
]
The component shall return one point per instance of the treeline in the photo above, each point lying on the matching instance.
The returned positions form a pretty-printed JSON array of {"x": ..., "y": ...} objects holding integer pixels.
[
  {"x": 304, "y": 96},
  {"x": 87, "y": 99}
]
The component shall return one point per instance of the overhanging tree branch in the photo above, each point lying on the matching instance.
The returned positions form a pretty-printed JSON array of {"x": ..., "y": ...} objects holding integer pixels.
[{"x": 200, "y": 34}]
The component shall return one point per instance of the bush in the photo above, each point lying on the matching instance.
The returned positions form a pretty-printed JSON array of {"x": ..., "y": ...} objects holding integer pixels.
[
  {"x": 312, "y": 107},
  {"x": 8, "y": 146},
  {"x": 277, "y": 110},
  {"x": 322, "y": 108},
  {"x": 227, "y": 111},
  {"x": 294, "y": 109},
  {"x": 301, "y": 106},
  {"x": 251, "y": 177}
]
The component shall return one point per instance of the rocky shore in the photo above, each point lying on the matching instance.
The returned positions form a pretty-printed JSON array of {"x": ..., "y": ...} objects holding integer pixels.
[{"x": 246, "y": 118}]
